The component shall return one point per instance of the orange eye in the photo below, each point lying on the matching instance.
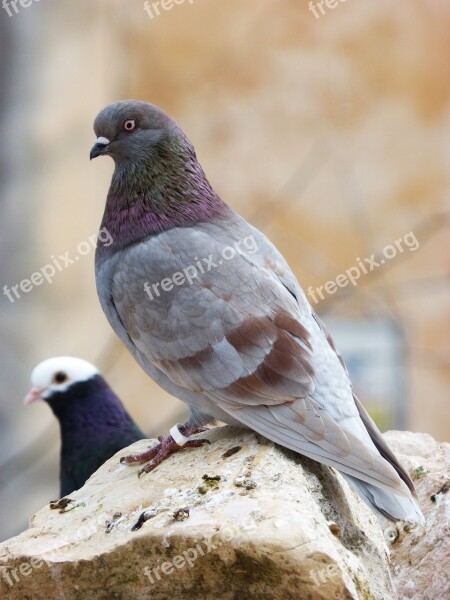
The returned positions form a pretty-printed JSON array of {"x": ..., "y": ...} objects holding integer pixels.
[{"x": 129, "y": 125}]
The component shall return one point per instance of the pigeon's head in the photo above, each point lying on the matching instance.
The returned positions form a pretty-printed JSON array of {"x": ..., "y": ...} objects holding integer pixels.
[
  {"x": 128, "y": 129},
  {"x": 57, "y": 375}
]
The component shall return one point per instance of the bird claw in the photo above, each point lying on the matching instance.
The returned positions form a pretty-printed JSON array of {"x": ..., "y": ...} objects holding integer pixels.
[
  {"x": 143, "y": 456},
  {"x": 167, "y": 445}
]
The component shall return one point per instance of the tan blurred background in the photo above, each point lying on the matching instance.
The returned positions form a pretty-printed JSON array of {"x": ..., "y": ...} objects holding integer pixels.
[{"x": 330, "y": 134}]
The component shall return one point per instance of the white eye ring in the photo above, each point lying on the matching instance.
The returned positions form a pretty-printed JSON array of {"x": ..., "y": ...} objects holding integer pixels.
[{"x": 129, "y": 125}]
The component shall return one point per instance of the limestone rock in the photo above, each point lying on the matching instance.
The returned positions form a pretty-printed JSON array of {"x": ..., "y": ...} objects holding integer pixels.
[
  {"x": 240, "y": 518},
  {"x": 421, "y": 557}
]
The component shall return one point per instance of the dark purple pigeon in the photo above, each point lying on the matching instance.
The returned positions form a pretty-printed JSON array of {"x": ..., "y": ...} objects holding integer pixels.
[{"x": 93, "y": 422}]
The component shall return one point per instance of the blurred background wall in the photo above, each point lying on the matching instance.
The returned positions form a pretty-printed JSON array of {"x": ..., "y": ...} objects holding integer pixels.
[{"x": 330, "y": 132}]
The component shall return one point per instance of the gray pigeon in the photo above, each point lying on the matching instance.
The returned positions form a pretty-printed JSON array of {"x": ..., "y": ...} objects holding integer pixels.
[{"x": 212, "y": 312}]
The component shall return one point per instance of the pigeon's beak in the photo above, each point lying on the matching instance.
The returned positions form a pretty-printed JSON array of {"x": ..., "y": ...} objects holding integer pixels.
[
  {"x": 99, "y": 147},
  {"x": 34, "y": 394}
]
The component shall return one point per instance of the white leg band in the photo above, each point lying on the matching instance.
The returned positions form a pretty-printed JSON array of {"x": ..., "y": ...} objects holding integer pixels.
[{"x": 178, "y": 436}]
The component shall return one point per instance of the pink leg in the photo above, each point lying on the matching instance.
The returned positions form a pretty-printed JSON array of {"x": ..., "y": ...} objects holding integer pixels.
[{"x": 167, "y": 445}]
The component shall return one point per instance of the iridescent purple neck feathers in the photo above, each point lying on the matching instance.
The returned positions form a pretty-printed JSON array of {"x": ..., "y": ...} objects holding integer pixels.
[{"x": 162, "y": 189}]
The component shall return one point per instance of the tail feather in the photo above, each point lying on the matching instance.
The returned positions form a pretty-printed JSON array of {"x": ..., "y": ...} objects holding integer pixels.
[
  {"x": 392, "y": 506},
  {"x": 382, "y": 447}
]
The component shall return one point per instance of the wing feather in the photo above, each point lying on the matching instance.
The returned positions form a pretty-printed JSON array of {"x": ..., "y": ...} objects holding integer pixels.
[
  {"x": 244, "y": 338},
  {"x": 380, "y": 474}
]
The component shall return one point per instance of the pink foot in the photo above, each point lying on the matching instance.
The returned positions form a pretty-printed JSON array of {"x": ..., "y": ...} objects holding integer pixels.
[{"x": 167, "y": 445}]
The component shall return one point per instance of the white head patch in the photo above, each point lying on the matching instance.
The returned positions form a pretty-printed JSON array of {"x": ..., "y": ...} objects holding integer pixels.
[{"x": 59, "y": 373}]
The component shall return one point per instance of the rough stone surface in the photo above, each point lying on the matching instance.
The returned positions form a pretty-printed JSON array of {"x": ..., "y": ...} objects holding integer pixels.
[
  {"x": 421, "y": 558},
  {"x": 240, "y": 518}
]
